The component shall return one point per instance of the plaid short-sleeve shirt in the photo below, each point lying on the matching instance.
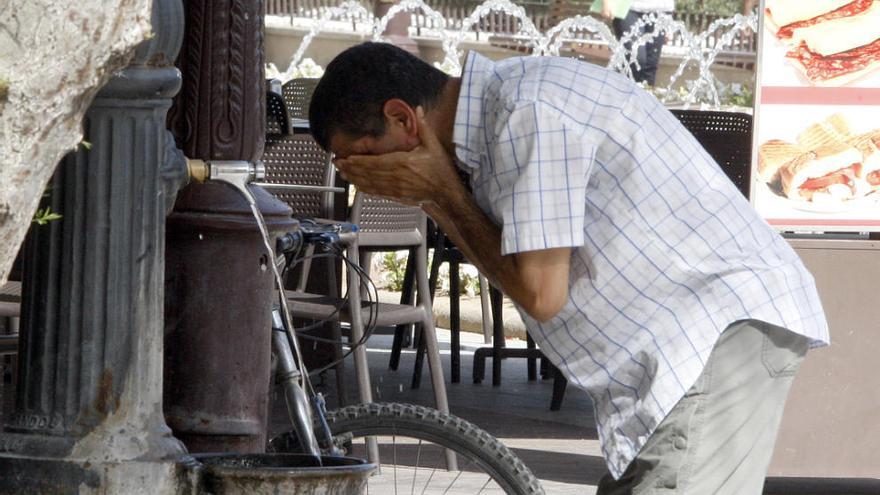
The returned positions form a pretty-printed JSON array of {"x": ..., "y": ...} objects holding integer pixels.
[{"x": 666, "y": 251}]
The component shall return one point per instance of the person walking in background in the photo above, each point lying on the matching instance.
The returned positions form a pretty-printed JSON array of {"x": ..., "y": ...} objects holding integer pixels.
[{"x": 648, "y": 56}]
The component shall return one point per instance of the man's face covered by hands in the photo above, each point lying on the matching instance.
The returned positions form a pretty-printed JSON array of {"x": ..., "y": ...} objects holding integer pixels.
[
  {"x": 400, "y": 134},
  {"x": 406, "y": 164}
]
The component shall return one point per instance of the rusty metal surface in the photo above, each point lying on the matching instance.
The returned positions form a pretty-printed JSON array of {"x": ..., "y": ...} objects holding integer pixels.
[
  {"x": 218, "y": 283},
  {"x": 293, "y": 474},
  {"x": 219, "y": 290}
]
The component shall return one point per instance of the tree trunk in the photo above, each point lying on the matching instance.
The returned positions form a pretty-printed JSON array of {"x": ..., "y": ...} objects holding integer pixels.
[{"x": 54, "y": 56}]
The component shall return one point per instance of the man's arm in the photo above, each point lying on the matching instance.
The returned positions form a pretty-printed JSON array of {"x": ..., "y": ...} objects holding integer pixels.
[{"x": 536, "y": 280}]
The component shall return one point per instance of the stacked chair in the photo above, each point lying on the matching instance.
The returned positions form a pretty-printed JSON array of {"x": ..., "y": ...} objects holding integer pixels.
[{"x": 293, "y": 158}]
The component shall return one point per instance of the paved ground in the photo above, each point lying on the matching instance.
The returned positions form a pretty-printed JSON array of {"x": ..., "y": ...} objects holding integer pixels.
[{"x": 560, "y": 447}]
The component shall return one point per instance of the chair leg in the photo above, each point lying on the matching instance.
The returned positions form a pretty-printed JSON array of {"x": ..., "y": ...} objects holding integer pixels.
[
  {"x": 436, "y": 261},
  {"x": 339, "y": 369},
  {"x": 497, "y": 335},
  {"x": 531, "y": 361},
  {"x": 305, "y": 268},
  {"x": 486, "y": 310},
  {"x": 420, "y": 360},
  {"x": 406, "y": 297},
  {"x": 559, "y": 384},
  {"x": 361, "y": 367},
  {"x": 429, "y": 336},
  {"x": 338, "y": 355},
  {"x": 455, "y": 322}
]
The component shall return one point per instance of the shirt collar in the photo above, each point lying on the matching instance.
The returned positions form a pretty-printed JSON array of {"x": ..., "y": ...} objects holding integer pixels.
[{"x": 468, "y": 131}]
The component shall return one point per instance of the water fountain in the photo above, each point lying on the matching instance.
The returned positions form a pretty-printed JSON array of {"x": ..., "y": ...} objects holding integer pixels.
[{"x": 698, "y": 51}]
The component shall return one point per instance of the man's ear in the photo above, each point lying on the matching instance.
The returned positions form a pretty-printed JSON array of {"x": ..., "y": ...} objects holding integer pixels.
[{"x": 401, "y": 116}]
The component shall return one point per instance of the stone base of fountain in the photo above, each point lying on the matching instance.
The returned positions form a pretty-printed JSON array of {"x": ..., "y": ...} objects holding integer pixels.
[{"x": 41, "y": 475}]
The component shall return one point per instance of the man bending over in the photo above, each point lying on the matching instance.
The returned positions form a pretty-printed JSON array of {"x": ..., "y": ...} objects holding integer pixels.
[{"x": 638, "y": 267}]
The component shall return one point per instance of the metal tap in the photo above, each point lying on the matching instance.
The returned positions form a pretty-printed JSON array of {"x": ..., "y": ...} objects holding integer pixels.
[{"x": 237, "y": 173}]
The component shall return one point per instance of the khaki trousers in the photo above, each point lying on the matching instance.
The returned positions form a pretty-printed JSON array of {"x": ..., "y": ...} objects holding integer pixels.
[{"x": 719, "y": 438}]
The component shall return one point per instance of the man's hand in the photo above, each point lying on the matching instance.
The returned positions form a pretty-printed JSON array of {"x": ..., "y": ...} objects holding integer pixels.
[{"x": 413, "y": 177}]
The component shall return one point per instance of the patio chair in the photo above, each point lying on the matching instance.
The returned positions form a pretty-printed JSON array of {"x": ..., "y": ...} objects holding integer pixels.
[
  {"x": 296, "y": 159},
  {"x": 297, "y": 94},
  {"x": 384, "y": 225},
  {"x": 727, "y": 137},
  {"x": 444, "y": 252}
]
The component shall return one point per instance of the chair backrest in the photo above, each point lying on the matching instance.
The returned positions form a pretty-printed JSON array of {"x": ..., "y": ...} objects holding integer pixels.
[
  {"x": 277, "y": 118},
  {"x": 727, "y": 137},
  {"x": 297, "y": 94},
  {"x": 384, "y": 223},
  {"x": 296, "y": 159}
]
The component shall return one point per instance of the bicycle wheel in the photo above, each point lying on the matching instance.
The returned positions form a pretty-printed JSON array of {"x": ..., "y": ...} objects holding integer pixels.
[{"x": 412, "y": 441}]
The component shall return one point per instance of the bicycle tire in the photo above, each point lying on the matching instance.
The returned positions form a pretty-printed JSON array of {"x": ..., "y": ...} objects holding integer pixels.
[{"x": 443, "y": 429}]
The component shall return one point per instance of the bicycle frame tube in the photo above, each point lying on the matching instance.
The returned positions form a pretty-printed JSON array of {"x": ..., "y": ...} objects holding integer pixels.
[{"x": 298, "y": 405}]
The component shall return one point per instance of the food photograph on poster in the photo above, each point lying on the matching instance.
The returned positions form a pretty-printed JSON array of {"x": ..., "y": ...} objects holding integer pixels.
[
  {"x": 816, "y": 149},
  {"x": 818, "y": 162},
  {"x": 829, "y": 43}
]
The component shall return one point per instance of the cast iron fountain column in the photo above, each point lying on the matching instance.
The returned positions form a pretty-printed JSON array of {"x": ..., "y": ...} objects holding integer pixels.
[
  {"x": 219, "y": 286},
  {"x": 88, "y": 411}
]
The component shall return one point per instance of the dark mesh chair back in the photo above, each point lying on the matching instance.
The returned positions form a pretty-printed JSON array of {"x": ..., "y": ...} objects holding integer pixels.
[
  {"x": 297, "y": 94},
  {"x": 295, "y": 158},
  {"x": 727, "y": 137},
  {"x": 277, "y": 118}
]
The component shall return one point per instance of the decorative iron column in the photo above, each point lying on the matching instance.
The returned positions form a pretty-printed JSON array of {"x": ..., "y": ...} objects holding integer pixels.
[
  {"x": 88, "y": 412},
  {"x": 219, "y": 287}
]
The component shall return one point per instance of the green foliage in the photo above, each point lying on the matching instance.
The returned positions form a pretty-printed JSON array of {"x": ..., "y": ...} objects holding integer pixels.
[
  {"x": 717, "y": 7},
  {"x": 394, "y": 266},
  {"x": 45, "y": 215},
  {"x": 469, "y": 279},
  {"x": 736, "y": 94},
  {"x": 394, "y": 269}
]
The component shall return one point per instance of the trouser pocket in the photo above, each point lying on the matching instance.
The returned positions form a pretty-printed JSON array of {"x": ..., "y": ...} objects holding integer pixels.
[{"x": 782, "y": 350}]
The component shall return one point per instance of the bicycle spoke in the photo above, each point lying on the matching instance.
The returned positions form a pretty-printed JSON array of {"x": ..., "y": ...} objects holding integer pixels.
[
  {"x": 452, "y": 482},
  {"x": 484, "y": 486},
  {"x": 416, "y": 470},
  {"x": 427, "y": 483},
  {"x": 394, "y": 460}
]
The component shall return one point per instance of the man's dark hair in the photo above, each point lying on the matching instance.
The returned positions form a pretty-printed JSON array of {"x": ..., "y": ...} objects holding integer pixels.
[{"x": 359, "y": 81}]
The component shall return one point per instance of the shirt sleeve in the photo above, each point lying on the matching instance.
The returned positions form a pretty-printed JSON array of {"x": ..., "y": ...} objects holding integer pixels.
[{"x": 541, "y": 167}]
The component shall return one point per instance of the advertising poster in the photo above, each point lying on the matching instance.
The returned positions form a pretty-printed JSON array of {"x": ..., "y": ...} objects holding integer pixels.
[{"x": 816, "y": 155}]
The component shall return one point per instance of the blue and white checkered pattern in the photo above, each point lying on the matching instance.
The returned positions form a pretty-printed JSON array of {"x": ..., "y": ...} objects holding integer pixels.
[{"x": 667, "y": 252}]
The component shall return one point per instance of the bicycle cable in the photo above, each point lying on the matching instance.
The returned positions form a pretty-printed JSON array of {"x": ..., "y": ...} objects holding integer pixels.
[{"x": 371, "y": 295}]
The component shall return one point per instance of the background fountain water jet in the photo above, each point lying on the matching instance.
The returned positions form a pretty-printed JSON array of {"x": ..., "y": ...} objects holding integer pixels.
[{"x": 697, "y": 49}]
